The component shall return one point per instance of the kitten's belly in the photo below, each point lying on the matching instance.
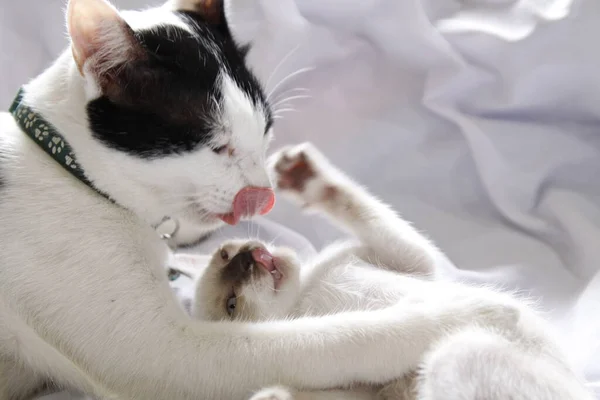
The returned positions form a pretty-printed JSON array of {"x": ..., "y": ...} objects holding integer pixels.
[{"x": 353, "y": 288}]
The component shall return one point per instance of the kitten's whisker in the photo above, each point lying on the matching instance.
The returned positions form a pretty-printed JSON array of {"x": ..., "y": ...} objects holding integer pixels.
[{"x": 272, "y": 241}]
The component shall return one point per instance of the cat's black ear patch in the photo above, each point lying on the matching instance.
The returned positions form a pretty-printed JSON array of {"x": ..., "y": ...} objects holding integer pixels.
[
  {"x": 168, "y": 101},
  {"x": 165, "y": 103}
]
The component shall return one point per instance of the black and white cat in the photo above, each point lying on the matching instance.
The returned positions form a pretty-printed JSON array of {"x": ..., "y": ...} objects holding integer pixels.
[{"x": 165, "y": 119}]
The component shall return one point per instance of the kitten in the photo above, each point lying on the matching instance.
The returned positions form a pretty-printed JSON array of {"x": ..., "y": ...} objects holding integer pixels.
[
  {"x": 164, "y": 118},
  {"x": 391, "y": 263}
]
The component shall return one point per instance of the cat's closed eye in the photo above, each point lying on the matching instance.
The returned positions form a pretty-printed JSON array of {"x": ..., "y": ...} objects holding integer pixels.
[{"x": 220, "y": 149}]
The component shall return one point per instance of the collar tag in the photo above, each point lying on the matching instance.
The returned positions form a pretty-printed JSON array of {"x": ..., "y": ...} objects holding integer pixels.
[{"x": 167, "y": 229}]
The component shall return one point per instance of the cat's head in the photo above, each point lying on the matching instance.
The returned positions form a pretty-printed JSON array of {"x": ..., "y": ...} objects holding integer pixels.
[
  {"x": 248, "y": 281},
  {"x": 174, "y": 109}
]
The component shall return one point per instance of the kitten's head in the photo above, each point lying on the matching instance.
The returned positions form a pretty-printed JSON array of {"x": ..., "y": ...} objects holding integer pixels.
[
  {"x": 247, "y": 281},
  {"x": 174, "y": 109}
]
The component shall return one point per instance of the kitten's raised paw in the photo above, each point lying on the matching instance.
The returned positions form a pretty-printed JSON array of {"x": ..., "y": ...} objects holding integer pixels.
[
  {"x": 303, "y": 171},
  {"x": 273, "y": 393},
  {"x": 294, "y": 167}
]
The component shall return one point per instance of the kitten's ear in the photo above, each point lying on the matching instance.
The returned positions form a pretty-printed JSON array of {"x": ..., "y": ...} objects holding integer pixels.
[
  {"x": 100, "y": 38},
  {"x": 210, "y": 10}
]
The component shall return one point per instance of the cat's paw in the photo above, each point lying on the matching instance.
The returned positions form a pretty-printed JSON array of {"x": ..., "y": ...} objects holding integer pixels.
[
  {"x": 273, "y": 393},
  {"x": 304, "y": 172}
]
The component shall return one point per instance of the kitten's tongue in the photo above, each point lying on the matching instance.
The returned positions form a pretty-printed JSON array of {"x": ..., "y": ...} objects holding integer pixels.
[
  {"x": 264, "y": 258},
  {"x": 248, "y": 202}
]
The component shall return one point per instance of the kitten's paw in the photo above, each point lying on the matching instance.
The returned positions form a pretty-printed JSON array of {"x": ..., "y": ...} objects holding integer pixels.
[
  {"x": 295, "y": 166},
  {"x": 304, "y": 172},
  {"x": 273, "y": 393}
]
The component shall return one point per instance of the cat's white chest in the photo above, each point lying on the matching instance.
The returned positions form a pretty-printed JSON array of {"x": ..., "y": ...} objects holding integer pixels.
[{"x": 353, "y": 287}]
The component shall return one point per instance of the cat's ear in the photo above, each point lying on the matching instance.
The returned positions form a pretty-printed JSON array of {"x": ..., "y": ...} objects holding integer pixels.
[
  {"x": 101, "y": 40},
  {"x": 211, "y": 11}
]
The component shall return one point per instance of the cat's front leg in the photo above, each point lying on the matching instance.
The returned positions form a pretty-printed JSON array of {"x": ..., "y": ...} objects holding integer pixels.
[
  {"x": 274, "y": 393},
  {"x": 304, "y": 174},
  {"x": 283, "y": 393}
]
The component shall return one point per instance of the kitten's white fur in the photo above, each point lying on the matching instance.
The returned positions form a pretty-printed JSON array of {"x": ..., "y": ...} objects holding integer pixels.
[
  {"x": 485, "y": 360},
  {"x": 84, "y": 301}
]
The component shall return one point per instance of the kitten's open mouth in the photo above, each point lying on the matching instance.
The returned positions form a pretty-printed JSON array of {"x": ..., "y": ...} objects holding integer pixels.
[{"x": 269, "y": 263}]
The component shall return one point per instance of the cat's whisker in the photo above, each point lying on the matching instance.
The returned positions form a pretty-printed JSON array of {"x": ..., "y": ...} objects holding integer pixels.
[
  {"x": 272, "y": 241},
  {"x": 281, "y": 62},
  {"x": 288, "y": 77},
  {"x": 282, "y": 110},
  {"x": 283, "y": 101},
  {"x": 290, "y": 91},
  {"x": 257, "y": 234},
  {"x": 253, "y": 224},
  {"x": 299, "y": 89}
]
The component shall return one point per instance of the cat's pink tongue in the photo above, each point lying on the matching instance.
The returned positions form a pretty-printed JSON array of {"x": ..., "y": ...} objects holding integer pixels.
[
  {"x": 248, "y": 202},
  {"x": 264, "y": 258}
]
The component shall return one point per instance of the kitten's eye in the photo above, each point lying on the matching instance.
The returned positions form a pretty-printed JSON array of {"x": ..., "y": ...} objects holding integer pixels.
[
  {"x": 231, "y": 303},
  {"x": 173, "y": 275},
  {"x": 224, "y": 255},
  {"x": 220, "y": 149}
]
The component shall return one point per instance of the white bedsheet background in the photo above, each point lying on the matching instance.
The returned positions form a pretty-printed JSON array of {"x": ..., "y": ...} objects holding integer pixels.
[{"x": 478, "y": 120}]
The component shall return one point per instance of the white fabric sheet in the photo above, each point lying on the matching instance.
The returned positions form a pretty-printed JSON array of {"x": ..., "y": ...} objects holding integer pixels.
[{"x": 477, "y": 119}]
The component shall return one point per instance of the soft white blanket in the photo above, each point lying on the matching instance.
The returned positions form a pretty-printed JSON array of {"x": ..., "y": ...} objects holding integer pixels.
[{"x": 477, "y": 119}]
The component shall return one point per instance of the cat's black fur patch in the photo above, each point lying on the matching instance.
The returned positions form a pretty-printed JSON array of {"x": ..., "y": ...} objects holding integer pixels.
[{"x": 165, "y": 101}]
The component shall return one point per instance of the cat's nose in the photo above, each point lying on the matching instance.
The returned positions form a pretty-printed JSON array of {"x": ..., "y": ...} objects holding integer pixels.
[
  {"x": 242, "y": 262},
  {"x": 250, "y": 201},
  {"x": 239, "y": 268}
]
